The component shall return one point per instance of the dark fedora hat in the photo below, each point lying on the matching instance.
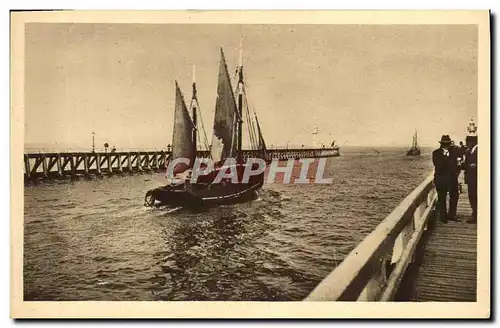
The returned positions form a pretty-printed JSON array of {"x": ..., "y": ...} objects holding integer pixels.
[{"x": 445, "y": 139}]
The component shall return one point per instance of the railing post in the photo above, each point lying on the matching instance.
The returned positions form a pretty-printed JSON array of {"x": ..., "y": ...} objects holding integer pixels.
[
  {"x": 432, "y": 221},
  {"x": 402, "y": 240},
  {"x": 419, "y": 211},
  {"x": 378, "y": 280}
]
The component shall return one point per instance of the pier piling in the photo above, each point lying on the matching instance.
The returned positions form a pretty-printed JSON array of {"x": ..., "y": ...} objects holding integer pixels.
[
  {"x": 73, "y": 167},
  {"x": 108, "y": 161},
  {"x": 119, "y": 163},
  {"x": 27, "y": 172},
  {"x": 138, "y": 162},
  {"x": 44, "y": 166},
  {"x": 98, "y": 163},
  {"x": 129, "y": 162},
  {"x": 86, "y": 164}
]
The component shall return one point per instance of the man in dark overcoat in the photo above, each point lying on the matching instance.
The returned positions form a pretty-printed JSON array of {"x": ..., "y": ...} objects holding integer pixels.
[
  {"x": 470, "y": 168},
  {"x": 446, "y": 172}
]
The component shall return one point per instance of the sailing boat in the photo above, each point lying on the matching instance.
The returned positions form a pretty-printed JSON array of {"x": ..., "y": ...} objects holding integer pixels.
[
  {"x": 226, "y": 144},
  {"x": 414, "y": 150}
]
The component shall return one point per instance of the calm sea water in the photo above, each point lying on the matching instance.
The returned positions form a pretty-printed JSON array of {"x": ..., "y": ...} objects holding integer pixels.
[{"x": 94, "y": 240}]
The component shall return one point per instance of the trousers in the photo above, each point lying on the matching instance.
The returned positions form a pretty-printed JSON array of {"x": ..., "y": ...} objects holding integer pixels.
[
  {"x": 442, "y": 191},
  {"x": 472, "y": 190}
]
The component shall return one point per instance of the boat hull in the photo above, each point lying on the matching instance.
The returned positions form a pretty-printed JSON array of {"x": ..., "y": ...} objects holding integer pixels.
[{"x": 204, "y": 195}]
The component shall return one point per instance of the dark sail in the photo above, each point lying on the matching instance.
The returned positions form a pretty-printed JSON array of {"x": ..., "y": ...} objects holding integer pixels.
[
  {"x": 182, "y": 141},
  {"x": 224, "y": 139},
  {"x": 262, "y": 143}
]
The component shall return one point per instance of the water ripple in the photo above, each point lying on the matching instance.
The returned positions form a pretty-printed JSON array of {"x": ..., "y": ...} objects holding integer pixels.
[{"x": 94, "y": 240}]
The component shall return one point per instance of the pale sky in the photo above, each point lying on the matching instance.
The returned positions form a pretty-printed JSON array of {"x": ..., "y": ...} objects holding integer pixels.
[{"x": 367, "y": 85}]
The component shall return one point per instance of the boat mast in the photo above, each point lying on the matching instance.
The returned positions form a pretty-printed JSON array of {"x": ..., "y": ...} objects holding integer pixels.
[
  {"x": 195, "y": 102},
  {"x": 240, "y": 99}
]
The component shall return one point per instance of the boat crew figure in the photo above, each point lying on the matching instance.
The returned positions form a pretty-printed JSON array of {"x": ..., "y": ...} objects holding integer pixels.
[
  {"x": 470, "y": 168},
  {"x": 446, "y": 171}
]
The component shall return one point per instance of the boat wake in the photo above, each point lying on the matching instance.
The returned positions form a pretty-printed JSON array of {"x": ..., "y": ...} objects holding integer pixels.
[
  {"x": 172, "y": 210},
  {"x": 285, "y": 198}
]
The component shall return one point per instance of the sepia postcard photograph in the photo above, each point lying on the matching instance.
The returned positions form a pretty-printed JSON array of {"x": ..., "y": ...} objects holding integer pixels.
[{"x": 250, "y": 164}]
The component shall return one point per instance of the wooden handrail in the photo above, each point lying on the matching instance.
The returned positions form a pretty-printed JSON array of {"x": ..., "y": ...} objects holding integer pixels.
[
  {"x": 48, "y": 151},
  {"x": 362, "y": 275}
]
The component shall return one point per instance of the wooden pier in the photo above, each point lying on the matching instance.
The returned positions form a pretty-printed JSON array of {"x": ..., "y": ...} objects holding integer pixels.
[
  {"x": 54, "y": 165},
  {"x": 448, "y": 270},
  {"x": 410, "y": 256}
]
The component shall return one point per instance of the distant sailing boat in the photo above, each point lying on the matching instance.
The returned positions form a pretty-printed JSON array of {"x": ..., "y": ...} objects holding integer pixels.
[
  {"x": 414, "y": 150},
  {"x": 226, "y": 144}
]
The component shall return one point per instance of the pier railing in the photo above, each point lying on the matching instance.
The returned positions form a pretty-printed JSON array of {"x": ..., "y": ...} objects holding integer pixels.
[{"x": 374, "y": 270}]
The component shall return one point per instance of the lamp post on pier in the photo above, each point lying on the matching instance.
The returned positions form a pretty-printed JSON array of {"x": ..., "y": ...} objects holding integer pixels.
[{"x": 93, "y": 142}]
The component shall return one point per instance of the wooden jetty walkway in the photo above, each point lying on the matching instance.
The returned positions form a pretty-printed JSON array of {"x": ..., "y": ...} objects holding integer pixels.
[
  {"x": 53, "y": 165},
  {"x": 448, "y": 269},
  {"x": 410, "y": 256}
]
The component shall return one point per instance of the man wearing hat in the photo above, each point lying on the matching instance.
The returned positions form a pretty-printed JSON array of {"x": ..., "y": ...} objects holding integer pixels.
[
  {"x": 470, "y": 168},
  {"x": 446, "y": 172}
]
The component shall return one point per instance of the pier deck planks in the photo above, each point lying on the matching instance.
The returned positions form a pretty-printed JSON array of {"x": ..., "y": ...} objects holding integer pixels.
[{"x": 447, "y": 272}]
